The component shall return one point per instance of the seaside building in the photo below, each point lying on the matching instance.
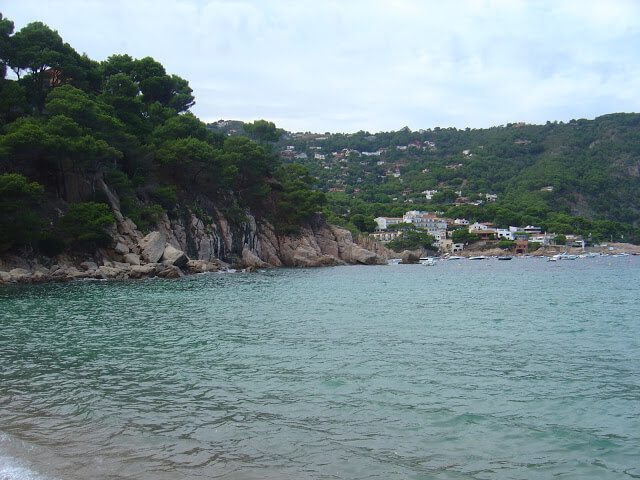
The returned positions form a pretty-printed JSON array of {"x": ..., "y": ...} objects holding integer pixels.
[
  {"x": 431, "y": 223},
  {"x": 384, "y": 222}
]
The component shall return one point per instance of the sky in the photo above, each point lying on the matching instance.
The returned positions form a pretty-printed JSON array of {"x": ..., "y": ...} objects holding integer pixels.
[{"x": 373, "y": 65}]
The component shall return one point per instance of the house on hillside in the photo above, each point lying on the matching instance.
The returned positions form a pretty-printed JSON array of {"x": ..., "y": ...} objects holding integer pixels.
[{"x": 384, "y": 222}]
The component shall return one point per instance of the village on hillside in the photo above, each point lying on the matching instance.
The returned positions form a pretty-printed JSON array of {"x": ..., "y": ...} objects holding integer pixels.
[{"x": 519, "y": 240}]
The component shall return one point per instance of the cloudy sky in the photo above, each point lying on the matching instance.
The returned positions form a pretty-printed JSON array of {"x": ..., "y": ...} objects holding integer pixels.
[{"x": 376, "y": 65}]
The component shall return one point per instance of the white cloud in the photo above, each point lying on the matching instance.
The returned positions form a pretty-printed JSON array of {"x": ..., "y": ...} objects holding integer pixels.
[{"x": 372, "y": 64}]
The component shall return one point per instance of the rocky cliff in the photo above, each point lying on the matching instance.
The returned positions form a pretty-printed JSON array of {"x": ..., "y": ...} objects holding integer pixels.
[{"x": 193, "y": 244}]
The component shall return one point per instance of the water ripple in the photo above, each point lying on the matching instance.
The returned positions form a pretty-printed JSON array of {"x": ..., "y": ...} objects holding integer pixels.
[{"x": 382, "y": 372}]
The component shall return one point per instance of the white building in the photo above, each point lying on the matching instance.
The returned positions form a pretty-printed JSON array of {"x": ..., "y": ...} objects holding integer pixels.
[
  {"x": 429, "y": 194},
  {"x": 386, "y": 236},
  {"x": 531, "y": 230},
  {"x": 384, "y": 222},
  {"x": 426, "y": 220},
  {"x": 505, "y": 233},
  {"x": 479, "y": 226}
]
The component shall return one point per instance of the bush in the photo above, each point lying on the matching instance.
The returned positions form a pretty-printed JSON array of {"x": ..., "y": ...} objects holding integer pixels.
[
  {"x": 412, "y": 240},
  {"x": 19, "y": 223},
  {"x": 85, "y": 223},
  {"x": 50, "y": 244},
  {"x": 506, "y": 244}
]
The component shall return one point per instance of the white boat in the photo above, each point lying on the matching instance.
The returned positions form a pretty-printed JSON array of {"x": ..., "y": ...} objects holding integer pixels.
[
  {"x": 562, "y": 256},
  {"x": 505, "y": 257},
  {"x": 428, "y": 261},
  {"x": 478, "y": 257},
  {"x": 454, "y": 257}
]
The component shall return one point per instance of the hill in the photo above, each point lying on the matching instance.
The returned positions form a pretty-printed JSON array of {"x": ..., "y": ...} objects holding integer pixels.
[
  {"x": 96, "y": 153},
  {"x": 577, "y": 177}
]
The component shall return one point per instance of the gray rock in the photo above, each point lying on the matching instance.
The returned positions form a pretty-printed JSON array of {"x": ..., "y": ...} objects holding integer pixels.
[
  {"x": 89, "y": 266},
  {"x": 20, "y": 275},
  {"x": 409, "y": 257},
  {"x": 132, "y": 259},
  {"x": 121, "y": 248},
  {"x": 201, "y": 266},
  {"x": 250, "y": 259},
  {"x": 173, "y": 256},
  {"x": 142, "y": 271},
  {"x": 171, "y": 271},
  {"x": 108, "y": 272},
  {"x": 152, "y": 247}
]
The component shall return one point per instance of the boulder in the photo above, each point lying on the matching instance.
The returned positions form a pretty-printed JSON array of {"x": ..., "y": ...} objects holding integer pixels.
[
  {"x": 363, "y": 256},
  {"x": 20, "y": 275},
  {"x": 121, "y": 248},
  {"x": 200, "y": 266},
  {"x": 409, "y": 257},
  {"x": 152, "y": 247},
  {"x": 108, "y": 272},
  {"x": 173, "y": 256},
  {"x": 89, "y": 266},
  {"x": 141, "y": 271},
  {"x": 250, "y": 259},
  {"x": 171, "y": 271},
  {"x": 132, "y": 259}
]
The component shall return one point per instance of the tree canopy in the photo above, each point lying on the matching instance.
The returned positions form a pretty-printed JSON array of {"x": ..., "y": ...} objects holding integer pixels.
[{"x": 67, "y": 123}]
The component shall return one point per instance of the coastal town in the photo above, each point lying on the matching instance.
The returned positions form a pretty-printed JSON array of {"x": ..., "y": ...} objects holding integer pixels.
[{"x": 515, "y": 240}]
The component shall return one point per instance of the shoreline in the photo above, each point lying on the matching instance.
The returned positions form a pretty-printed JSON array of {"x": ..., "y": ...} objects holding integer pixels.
[{"x": 18, "y": 270}]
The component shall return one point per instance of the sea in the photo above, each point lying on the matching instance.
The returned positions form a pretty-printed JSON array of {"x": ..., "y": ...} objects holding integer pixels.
[{"x": 521, "y": 369}]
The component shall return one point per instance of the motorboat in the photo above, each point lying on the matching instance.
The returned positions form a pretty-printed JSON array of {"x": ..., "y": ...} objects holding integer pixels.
[{"x": 428, "y": 261}]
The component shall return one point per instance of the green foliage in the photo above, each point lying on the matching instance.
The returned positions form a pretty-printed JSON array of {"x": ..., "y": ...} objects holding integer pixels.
[
  {"x": 560, "y": 240},
  {"x": 19, "y": 223},
  {"x": 297, "y": 202},
  {"x": 69, "y": 122},
  {"x": 364, "y": 223},
  {"x": 506, "y": 244},
  {"x": 262, "y": 131},
  {"x": 462, "y": 235},
  {"x": 166, "y": 195},
  {"x": 448, "y": 196},
  {"x": 85, "y": 223},
  {"x": 584, "y": 169},
  {"x": 199, "y": 212},
  {"x": 412, "y": 240}
]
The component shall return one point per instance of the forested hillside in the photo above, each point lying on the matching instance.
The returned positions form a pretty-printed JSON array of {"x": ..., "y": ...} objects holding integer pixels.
[
  {"x": 69, "y": 124},
  {"x": 577, "y": 177}
]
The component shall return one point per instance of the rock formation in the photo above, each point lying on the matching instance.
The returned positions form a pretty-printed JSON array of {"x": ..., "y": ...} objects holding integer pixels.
[{"x": 187, "y": 245}]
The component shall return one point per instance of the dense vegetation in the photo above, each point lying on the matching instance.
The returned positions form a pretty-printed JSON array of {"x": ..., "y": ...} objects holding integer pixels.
[
  {"x": 68, "y": 124},
  {"x": 578, "y": 177}
]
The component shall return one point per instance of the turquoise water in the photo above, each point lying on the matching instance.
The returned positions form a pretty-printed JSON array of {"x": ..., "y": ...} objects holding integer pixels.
[{"x": 466, "y": 370}]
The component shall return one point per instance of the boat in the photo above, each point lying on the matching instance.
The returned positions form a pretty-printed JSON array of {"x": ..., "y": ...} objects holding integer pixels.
[
  {"x": 479, "y": 257},
  {"x": 505, "y": 257},
  {"x": 428, "y": 261},
  {"x": 562, "y": 256},
  {"x": 454, "y": 257}
]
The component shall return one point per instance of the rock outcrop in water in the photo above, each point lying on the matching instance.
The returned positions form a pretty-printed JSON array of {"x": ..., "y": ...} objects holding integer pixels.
[{"x": 188, "y": 245}]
